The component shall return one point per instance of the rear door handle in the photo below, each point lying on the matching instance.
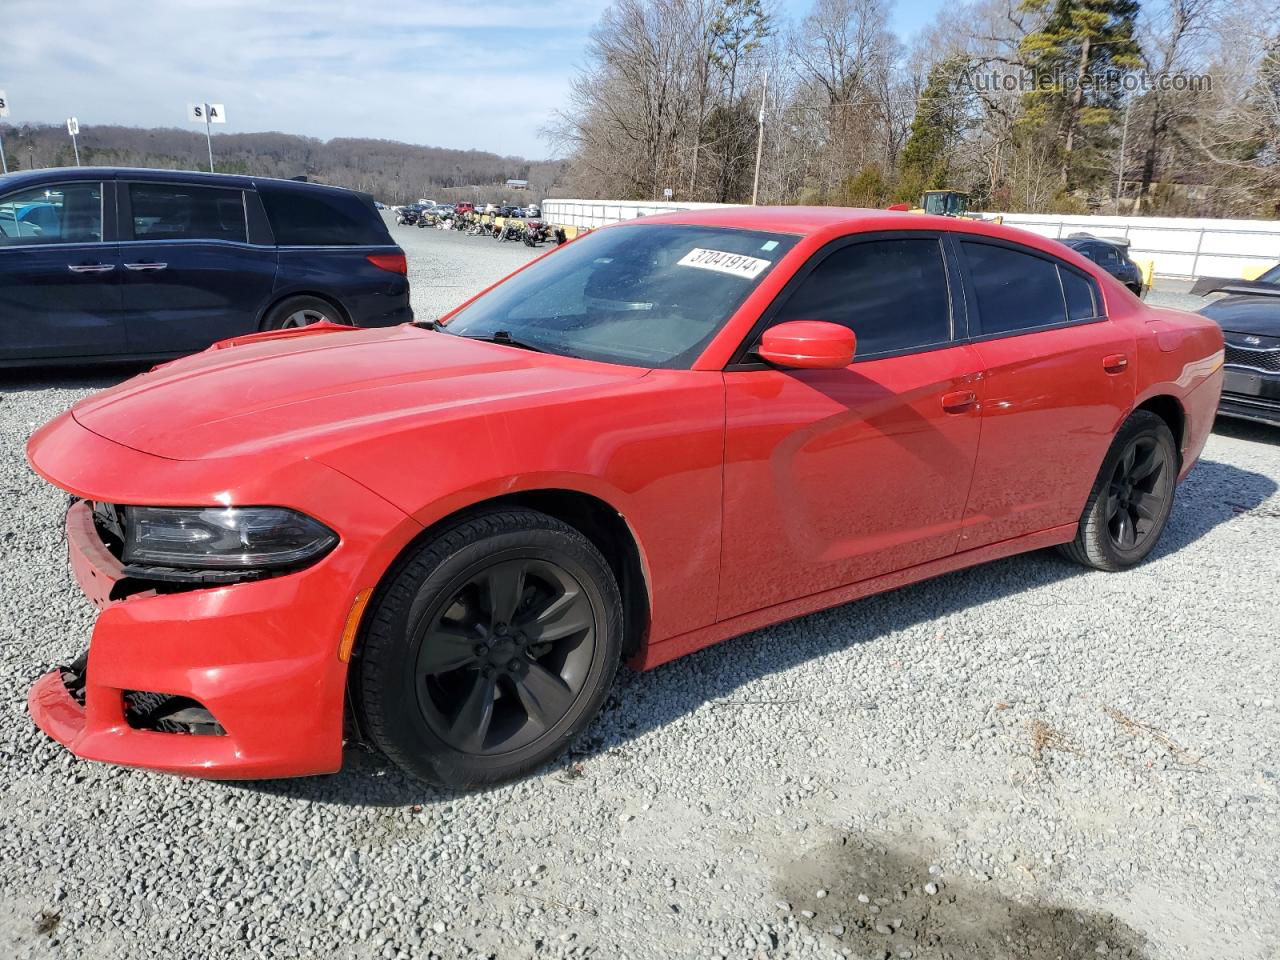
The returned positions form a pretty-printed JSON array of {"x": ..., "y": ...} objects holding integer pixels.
[
  {"x": 1116, "y": 363},
  {"x": 958, "y": 401},
  {"x": 145, "y": 266},
  {"x": 91, "y": 267}
]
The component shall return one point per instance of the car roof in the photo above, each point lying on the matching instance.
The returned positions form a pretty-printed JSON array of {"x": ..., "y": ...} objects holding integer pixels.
[
  {"x": 44, "y": 175},
  {"x": 835, "y": 221}
]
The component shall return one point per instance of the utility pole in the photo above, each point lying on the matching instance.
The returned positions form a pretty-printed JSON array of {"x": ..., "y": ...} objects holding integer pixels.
[
  {"x": 755, "y": 185},
  {"x": 1124, "y": 140}
]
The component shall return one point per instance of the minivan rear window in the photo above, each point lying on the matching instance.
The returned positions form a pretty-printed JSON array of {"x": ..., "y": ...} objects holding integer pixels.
[{"x": 322, "y": 218}]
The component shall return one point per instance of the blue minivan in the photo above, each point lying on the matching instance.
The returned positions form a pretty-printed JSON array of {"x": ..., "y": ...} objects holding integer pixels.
[{"x": 109, "y": 263}]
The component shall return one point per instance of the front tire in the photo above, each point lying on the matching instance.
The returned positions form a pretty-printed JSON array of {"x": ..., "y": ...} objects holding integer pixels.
[
  {"x": 489, "y": 649},
  {"x": 1131, "y": 500}
]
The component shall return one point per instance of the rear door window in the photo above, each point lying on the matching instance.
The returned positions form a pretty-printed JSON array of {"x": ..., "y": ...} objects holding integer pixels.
[
  {"x": 58, "y": 213},
  {"x": 321, "y": 218},
  {"x": 1019, "y": 291},
  {"x": 165, "y": 211}
]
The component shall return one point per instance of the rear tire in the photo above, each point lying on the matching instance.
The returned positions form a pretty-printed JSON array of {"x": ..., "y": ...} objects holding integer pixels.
[
  {"x": 489, "y": 649},
  {"x": 1130, "y": 503},
  {"x": 297, "y": 312}
]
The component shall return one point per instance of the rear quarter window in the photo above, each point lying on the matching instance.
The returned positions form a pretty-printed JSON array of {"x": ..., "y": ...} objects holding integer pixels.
[{"x": 322, "y": 218}]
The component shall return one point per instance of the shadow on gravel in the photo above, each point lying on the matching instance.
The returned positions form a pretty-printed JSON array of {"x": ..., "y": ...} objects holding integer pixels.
[
  {"x": 95, "y": 377},
  {"x": 1214, "y": 493},
  {"x": 878, "y": 904},
  {"x": 1247, "y": 430}
]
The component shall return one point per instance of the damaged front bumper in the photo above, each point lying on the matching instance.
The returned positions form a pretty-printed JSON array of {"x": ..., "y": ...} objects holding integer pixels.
[{"x": 234, "y": 681}]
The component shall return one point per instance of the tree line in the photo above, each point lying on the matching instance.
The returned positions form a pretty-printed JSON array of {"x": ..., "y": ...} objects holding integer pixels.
[
  {"x": 1107, "y": 106},
  {"x": 391, "y": 171}
]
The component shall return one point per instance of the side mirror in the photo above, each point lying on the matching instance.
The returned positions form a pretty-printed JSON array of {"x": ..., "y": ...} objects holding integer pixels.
[{"x": 807, "y": 345}]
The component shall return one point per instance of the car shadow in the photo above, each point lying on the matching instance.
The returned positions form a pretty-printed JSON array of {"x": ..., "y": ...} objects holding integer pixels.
[
  {"x": 1213, "y": 494},
  {"x": 1247, "y": 430},
  {"x": 84, "y": 377}
]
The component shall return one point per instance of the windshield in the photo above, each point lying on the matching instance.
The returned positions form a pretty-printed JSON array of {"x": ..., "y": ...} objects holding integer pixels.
[
  {"x": 1272, "y": 275},
  {"x": 650, "y": 296}
]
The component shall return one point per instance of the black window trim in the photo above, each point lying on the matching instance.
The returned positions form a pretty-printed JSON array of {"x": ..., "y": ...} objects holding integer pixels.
[
  {"x": 124, "y": 214},
  {"x": 976, "y": 336},
  {"x": 957, "y": 298},
  {"x": 106, "y": 213}
]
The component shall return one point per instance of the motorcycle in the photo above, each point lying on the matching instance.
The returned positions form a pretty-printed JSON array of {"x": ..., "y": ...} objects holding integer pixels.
[{"x": 535, "y": 232}]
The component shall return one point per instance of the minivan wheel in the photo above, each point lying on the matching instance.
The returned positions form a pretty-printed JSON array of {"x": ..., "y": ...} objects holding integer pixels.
[
  {"x": 1131, "y": 500},
  {"x": 489, "y": 649},
  {"x": 301, "y": 312}
]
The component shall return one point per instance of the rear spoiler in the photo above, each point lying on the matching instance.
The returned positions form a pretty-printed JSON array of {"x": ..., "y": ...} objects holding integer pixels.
[{"x": 1249, "y": 288}]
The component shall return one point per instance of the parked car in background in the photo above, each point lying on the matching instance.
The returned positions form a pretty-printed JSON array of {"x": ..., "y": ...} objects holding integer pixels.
[
  {"x": 463, "y": 206},
  {"x": 1250, "y": 320},
  {"x": 409, "y": 214},
  {"x": 1110, "y": 254},
  {"x": 109, "y": 263},
  {"x": 672, "y": 431}
]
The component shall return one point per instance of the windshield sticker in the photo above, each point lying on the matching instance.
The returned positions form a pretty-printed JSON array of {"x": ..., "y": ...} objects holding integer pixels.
[
  {"x": 736, "y": 264},
  {"x": 769, "y": 245}
]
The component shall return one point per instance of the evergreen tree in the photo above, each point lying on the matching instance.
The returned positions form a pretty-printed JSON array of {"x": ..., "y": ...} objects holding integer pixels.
[
  {"x": 939, "y": 119},
  {"x": 1078, "y": 59}
]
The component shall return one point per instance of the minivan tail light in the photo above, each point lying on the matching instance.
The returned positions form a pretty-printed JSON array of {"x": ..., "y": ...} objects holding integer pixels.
[{"x": 393, "y": 262}]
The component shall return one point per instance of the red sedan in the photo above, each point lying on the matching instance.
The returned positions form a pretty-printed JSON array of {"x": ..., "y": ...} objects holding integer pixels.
[{"x": 443, "y": 538}]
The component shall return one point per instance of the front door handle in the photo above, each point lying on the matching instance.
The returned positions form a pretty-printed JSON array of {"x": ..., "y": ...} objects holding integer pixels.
[
  {"x": 145, "y": 266},
  {"x": 91, "y": 267},
  {"x": 1116, "y": 363},
  {"x": 958, "y": 401}
]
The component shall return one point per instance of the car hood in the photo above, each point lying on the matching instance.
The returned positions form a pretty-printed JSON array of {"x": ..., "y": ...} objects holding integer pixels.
[
  {"x": 1238, "y": 314},
  {"x": 318, "y": 390}
]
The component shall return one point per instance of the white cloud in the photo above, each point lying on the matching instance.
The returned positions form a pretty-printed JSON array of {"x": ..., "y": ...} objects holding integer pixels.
[{"x": 457, "y": 74}]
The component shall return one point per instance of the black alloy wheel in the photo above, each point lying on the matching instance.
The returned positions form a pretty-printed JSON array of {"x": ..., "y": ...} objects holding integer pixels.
[
  {"x": 1135, "y": 504},
  {"x": 1132, "y": 498},
  {"x": 488, "y": 648},
  {"x": 506, "y": 655}
]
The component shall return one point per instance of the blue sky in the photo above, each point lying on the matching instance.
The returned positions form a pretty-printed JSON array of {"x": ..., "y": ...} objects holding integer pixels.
[{"x": 456, "y": 73}]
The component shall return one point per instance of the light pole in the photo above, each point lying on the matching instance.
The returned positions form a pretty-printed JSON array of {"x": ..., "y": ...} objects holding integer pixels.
[
  {"x": 208, "y": 136},
  {"x": 73, "y": 128},
  {"x": 755, "y": 184},
  {"x": 4, "y": 112}
]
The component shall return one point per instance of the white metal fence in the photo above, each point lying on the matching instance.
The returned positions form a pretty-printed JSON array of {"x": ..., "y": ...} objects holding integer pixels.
[{"x": 1178, "y": 246}]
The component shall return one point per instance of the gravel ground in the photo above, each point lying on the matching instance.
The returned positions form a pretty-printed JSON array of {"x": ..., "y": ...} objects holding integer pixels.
[{"x": 1085, "y": 763}]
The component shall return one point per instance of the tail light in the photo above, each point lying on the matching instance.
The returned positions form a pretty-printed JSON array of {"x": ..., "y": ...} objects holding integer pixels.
[{"x": 391, "y": 262}]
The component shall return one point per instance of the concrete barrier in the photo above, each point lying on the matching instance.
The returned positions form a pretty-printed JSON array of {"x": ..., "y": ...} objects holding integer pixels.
[{"x": 1175, "y": 246}]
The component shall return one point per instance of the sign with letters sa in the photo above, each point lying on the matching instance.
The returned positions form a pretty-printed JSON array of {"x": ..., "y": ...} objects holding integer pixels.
[{"x": 214, "y": 112}]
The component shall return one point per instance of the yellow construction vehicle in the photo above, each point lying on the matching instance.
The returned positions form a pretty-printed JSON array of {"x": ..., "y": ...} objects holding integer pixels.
[{"x": 944, "y": 203}]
